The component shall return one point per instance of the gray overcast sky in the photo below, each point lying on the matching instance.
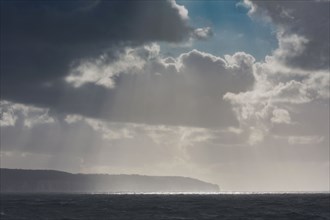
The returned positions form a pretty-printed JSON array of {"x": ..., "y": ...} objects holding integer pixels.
[{"x": 231, "y": 92}]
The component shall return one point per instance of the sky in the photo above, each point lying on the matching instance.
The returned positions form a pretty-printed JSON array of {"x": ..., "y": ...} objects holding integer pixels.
[{"x": 231, "y": 92}]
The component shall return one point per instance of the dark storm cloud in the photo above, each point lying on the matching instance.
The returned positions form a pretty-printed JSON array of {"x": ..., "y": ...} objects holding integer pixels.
[
  {"x": 41, "y": 39},
  {"x": 43, "y": 42}
]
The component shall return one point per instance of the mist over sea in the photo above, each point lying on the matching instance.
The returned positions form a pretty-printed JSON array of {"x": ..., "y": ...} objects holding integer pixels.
[{"x": 307, "y": 206}]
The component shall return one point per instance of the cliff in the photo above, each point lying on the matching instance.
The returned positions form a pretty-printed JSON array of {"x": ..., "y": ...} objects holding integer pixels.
[{"x": 51, "y": 181}]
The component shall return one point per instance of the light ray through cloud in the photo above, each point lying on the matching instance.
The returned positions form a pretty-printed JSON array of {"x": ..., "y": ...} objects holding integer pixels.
[{"x": 232, "y": 92}]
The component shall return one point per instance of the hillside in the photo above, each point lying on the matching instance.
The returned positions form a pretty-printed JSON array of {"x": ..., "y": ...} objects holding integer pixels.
[{"x": 51, "y": 181}]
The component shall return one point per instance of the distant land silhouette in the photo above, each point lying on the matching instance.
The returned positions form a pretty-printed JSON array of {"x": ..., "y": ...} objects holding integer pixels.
[{"x": 51, "y": 181}]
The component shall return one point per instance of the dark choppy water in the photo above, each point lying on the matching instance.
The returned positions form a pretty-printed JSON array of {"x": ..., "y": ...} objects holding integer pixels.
[{"x": 130, "y": 207}]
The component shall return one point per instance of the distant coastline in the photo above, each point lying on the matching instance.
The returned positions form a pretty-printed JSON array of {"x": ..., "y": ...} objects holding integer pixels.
[{"x": 52, "y": 181}]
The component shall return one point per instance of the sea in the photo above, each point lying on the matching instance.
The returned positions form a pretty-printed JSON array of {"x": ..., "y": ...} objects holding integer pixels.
[{"x": 151, "y": 206}]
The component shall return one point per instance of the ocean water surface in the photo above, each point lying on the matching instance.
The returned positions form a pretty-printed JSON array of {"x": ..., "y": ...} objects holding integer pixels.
[{"x": 162, "y": 206}]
